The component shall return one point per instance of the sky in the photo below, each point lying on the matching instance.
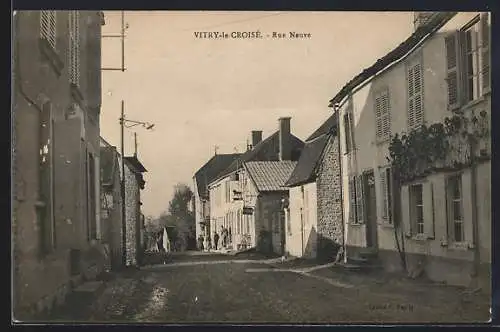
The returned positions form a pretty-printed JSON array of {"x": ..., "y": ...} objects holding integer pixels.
[{"x": 203, "y": 93}]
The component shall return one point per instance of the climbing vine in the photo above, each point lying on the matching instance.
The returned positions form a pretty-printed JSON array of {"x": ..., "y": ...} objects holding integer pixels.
[{"x": 441, "y": 146}]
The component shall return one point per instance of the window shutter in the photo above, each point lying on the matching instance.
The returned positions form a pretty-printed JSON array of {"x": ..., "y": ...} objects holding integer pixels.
[
  {"x": 383, "y": 188},
  {"x": 418, "y": 102},
  {"x": 451, "y": 48},
  {"x": 378, "y": 116},
  {"x": 359, "y": 200},
  {"x": 48, "y": 26},
  {"x": 74, "y": 47},
  {"x": 351, "y": 130},
  {"x": 428, "y": 200},
  {"x": 485, "y": 52},
  {"x": 386, "y": 115},
  {"x": 411, "y": 106},
  {"x": 352, "y": 201},
  {"x": 405, "y": 210}
]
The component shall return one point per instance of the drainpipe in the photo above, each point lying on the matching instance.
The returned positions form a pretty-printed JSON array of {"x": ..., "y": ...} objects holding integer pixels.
[
  {"x": 475, "y": 226},
  {"x": 339, "y": 154}
]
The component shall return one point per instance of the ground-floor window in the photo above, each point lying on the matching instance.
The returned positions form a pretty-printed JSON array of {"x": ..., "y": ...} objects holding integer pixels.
[
  {"x": 455, "y": 207},
  {"x": 416, "y": 209}
]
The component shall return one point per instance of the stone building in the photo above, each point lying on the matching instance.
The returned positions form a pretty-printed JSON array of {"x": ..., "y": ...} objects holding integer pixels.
[
  {"x": 201, "y": 197},
  {"x": 55, "y": 155},
  {"x": 314, "y": 219},
  {"x": 111, "y": 203},
  {"x": 234, "y": 195},
  {"x": 425, "y": 207},
  {"x": 134, "y": 220}
]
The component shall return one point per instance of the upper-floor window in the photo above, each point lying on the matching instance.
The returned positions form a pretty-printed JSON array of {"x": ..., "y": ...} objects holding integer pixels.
[
  {"x": 383, "y": 115},
  {"x": 348, "y": 126},
  {"x": 74, "y": 48},
  {"x": 468, "y": 61},
  {"x": 415, "y": 96},
  {"x": 48, "y": 24}
]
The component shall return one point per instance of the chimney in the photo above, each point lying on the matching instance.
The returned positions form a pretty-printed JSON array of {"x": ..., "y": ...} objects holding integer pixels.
[
  {"x": 256, "y": 137},
  {"x": 285, "y": 139},
  {"x": 421, "y": 19}
]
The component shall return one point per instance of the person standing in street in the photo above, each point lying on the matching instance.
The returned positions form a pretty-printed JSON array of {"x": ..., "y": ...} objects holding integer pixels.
[{"x": 216, "y": 240}]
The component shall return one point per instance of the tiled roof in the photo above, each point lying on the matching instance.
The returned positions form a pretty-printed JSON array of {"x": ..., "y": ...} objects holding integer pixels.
[
  {"x": 266, "y": 150},
  {"x": 434, "y": 23},
  {"x": 211, "y": 169},
  {"x": 329, "y": 126},
  {"x": 304, "y": 172},
  {"x": 270, "y": 175},
  {"x": 134, "y": 162}
]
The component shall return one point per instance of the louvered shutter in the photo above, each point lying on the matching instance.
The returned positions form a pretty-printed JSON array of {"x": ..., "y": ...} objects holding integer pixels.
[
  {"x": 383, "y": 189},
  {"x": 452, "y": 63},
  {"x": 485, "y": 52},
  {"x": 48, "y": 26},
  {"x": 411, "y": 105},
  {"x": 428, "y": 200},
  {"x": 352, "y": 201},
  {"x": 359, "y": 200},
  {"x": 405, "y": 210},
  {"x": 386, "y": 115},
  {"x": 74, "y": 47},
  {"x": 378, "y": 116},
  {"x": 351, "y": 130},
  {"x": 418, "y": 87}
]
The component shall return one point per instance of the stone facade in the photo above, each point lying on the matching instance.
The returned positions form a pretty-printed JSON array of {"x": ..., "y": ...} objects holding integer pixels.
[
  {"x": 328, "y": 182},
  {"x": 56, "y": 145},
  {"x": 132, "y": 213}
]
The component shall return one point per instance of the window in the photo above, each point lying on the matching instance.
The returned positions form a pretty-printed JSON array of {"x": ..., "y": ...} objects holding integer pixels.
[
  {"x": 276, "y": 222},
  {"x": 48, "y": 27},
  {"x": 416, "y": 209},
  {"x": 415, "y": 98},
  {"x": 455, "y": 206},
  {"x": 348, "y": 125},
  {"x": 46, "y": 179},
  {"x": 382, "y": 115},
  {"x": 74, "y": 48},
  {"x": 386, "y": 188},
  {"x": 356, "y": 214},
  {"x": 468, "y": 61}
]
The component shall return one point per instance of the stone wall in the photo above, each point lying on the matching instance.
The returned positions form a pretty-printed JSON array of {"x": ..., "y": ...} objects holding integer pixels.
[
  {"x": 330, "y": 224},
  {"x": 132, "y": 200}
]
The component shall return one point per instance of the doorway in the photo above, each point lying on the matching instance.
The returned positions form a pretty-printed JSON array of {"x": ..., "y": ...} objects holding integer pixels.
[{"x": 371, "y": 209}]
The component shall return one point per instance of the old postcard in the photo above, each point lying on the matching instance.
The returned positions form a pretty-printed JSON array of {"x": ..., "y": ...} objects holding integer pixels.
[{"x": 251, "y": 167}]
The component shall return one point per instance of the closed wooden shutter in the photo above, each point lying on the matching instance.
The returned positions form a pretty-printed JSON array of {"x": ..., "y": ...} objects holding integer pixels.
[
  {"x": 452, "y": 75},
  {"x": 382, "y": 114},
  {"x": 352, "y": 201},
  {"x": 405, "y": 210},
  {"x": 359, "y": 200},
  {"x": 415, "y": 98},
  {"x": 485, "y": 52},
  {"x": 48, "y": 25},
  {"x": 428, "y": 200},
  {"x": 74, "y": 47},
  {"x": 383, "y": 189}
]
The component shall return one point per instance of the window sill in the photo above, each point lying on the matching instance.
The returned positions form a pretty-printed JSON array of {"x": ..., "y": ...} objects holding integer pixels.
[
  {"x": 356, "y": 224},
  {"x": 51, "y": 55},
  {"x": 386, "y": 224},
  {"x": 460, "y": 246},
  {"x": 472, "y": 103},
  {"x": 419, "y": 238}
]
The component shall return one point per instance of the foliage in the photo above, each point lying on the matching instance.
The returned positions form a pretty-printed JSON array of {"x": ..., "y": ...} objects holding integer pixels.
[{"x": 428, "y": 149}]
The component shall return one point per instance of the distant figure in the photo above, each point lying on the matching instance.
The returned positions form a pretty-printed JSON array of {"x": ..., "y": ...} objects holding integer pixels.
[
  {"x": 224, "y": 237},
  {"x": 200, "y": 243},
  {"x": 230, "y": 235},
  {"x": 216, "y": 240}
]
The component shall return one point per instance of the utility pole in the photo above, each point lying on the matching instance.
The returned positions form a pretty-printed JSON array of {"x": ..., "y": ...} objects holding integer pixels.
[
  {"x": 135, "y": 144},
  {"x": 124, "y": 227}
]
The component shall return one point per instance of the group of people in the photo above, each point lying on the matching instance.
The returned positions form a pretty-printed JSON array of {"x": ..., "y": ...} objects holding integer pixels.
[{"x": 219, "y": 241}]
